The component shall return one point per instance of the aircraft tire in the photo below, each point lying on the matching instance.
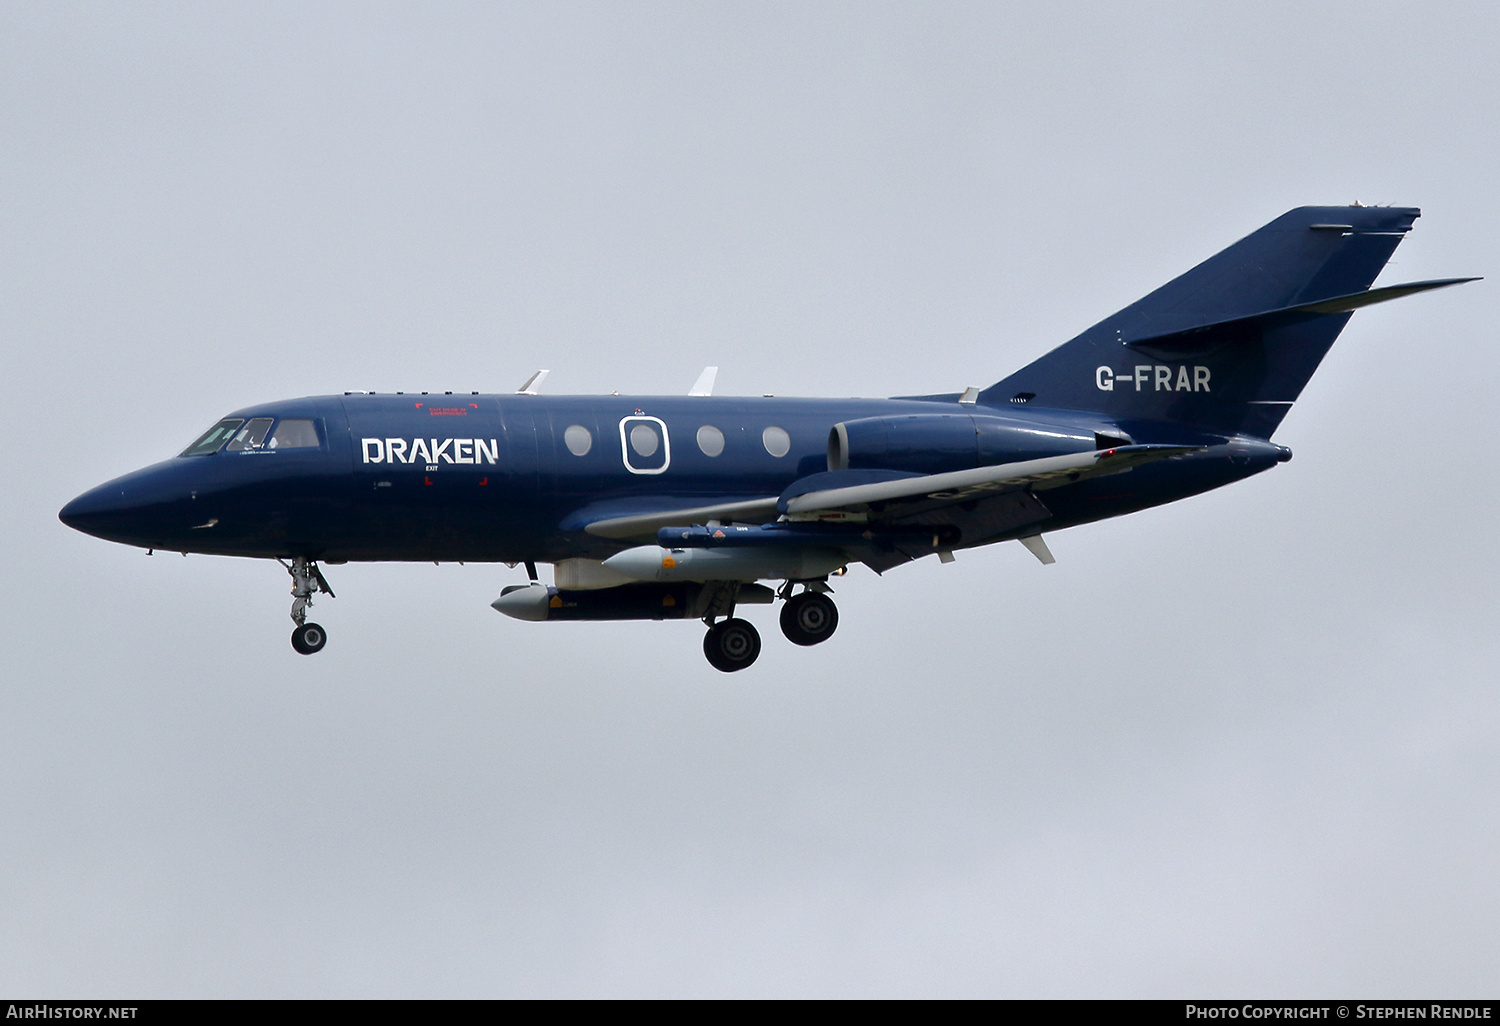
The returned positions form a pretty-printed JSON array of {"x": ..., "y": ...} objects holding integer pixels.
[
  {"x": 309, "y": 638},
  {"x": 731, "y": 645},
  {"x": 809, "y": 618}
]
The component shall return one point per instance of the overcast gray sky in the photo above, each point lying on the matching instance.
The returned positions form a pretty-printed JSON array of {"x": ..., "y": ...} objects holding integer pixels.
[{"x": 1245, "y": 744}]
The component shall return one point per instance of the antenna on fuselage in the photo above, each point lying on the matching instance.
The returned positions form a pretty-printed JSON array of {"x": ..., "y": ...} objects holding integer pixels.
[
  {"x": 1038, "y": 548},
  {"x": 533, "y": 384},
  {"x": 705, "y": 383}
]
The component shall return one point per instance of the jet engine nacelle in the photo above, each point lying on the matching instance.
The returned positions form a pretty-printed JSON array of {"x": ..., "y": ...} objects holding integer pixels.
[{"x": 929, "y": 443}]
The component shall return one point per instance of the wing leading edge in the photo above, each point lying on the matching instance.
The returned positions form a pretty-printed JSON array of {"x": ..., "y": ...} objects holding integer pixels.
[{"x": 894, "y": 499}]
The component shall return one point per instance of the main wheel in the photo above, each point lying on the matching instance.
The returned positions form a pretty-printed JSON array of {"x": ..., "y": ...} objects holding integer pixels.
[
  {"x": 309, "y": 638},
  {"x": 731, "y": 645},
  {"x": 809, "y": 618}
]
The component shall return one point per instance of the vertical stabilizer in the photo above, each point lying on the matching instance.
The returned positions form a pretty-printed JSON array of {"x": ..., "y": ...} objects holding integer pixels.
[{"x": 1229, "y": 345}]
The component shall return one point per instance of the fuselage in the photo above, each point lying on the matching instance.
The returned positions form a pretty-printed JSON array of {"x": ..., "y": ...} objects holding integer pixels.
[
  {"x": 510, "y": 478},
  {"x": 677, "y": 507}
]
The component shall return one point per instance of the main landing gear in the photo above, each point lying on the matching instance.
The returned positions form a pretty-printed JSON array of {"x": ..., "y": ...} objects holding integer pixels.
[
  {"x": 807, "y": 618},
  {"x": 307, "y": 581},
  {"x": 731, "y": 644}
]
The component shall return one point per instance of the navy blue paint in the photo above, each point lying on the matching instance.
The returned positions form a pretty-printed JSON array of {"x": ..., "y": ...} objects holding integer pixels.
[
  {"x": 533, "y": 502},
  {"x": 1287, "y": 262}
]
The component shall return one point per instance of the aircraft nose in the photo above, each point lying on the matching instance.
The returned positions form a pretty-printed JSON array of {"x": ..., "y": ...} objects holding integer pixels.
[
  {"x": 93, "y": 509},
  {"x": 126, "y": 509}
]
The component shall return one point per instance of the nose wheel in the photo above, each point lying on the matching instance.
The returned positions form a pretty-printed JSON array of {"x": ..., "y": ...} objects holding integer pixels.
[
  {"x": 809, "y": 618},
  {"x": 731, "y": 644},
  {"x": 309, "y": 638},
  {"x": 307, "y": 581}
]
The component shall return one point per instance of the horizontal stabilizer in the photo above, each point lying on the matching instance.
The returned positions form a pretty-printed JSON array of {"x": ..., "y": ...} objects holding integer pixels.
[
  {"x": 1210, "y": 336},
  {"x": 1354, "y": 301}
]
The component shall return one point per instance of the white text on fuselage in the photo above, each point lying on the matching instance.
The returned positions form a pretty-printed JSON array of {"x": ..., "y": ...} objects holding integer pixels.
[
  {"x": 430, "y": 451},
  {"x": 1154, "y": 377}
]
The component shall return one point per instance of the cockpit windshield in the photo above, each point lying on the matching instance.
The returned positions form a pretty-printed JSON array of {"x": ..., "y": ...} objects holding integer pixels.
[
  {"x": 244, "y": 435},
  {"x": 213, "y": 438},
  {"x": 294, "y": 433},
  {"x": 251, "y": 436}
]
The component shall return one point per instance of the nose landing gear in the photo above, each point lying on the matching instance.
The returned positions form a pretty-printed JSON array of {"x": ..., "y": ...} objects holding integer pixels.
[
  {"x": 307, "y": 581},
  {"x": 309, "y": 638}
]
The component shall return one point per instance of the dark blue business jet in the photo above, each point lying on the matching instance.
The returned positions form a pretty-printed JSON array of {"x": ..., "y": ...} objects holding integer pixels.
[{"x": 676, "y": 507}]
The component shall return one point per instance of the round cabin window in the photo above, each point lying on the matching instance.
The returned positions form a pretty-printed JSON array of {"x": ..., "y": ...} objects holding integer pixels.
[
  {"x": 710, "y": 440},
  {"x": 578, "y": 440},
  {"x": 777, "y": 442}
]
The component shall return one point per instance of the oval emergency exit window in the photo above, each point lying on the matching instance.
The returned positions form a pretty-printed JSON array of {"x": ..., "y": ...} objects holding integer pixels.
[
  {"x": 644, "y": 445},
  {"x": 644, "y": 440}
]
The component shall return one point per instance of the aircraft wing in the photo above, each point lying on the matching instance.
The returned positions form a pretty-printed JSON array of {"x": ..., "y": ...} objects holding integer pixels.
[
  {"x": 904, "y": 497},
  {"x": 918, "y": 515},
  {"x": 909, "y": 514}
]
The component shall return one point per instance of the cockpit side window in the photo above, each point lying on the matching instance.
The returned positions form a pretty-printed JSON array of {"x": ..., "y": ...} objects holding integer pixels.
[
  {"x": 251, "y": 436},
  {"x": 213, "y": 438},
  {"x": 294, "y": 433}
]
